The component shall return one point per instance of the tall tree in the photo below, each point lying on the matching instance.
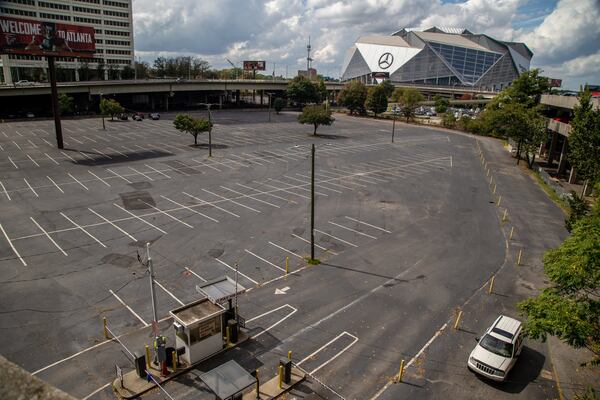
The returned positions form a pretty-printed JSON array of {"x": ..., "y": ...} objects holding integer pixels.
[
  {"x": 353, "y": 96},
  {"x": 65, "y": 104},
  {"x": 316, "y": 115},
  {"x": 570, "y": 307},
  {"x": 388, "y": 88},
  {"x": 321, "y": 91},
  {"x": 408, "y": 99},
  {"x": 377, "y": 99},
  {"x": 110, "y": 107},
  {"x": 584, "y": 139},
  {"x": 441, "y": 104},
  {"x": 127, "y": 72},
  {"x": 193, "y": 126},
  {"x": 303, "y": 91}
]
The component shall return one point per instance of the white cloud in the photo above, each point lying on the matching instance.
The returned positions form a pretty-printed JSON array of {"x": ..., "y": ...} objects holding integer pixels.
[{"x": 564, "y": 42}]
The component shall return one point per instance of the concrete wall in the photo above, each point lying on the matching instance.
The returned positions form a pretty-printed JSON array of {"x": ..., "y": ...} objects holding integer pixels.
[{"x": 567, "y": 102}]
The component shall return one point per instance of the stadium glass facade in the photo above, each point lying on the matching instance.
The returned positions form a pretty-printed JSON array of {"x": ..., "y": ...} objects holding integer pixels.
[{"x": 437, "y": 56}]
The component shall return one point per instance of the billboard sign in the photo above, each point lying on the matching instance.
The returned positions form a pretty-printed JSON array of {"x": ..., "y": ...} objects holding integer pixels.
[
  {"x": 254, "y": 65},
  {"x": 552, "y": 82},
  {"x": 45, "y": 38}
]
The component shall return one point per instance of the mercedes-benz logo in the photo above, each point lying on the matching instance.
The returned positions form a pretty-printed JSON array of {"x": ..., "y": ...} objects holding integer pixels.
[{"x": 386, "y": 60}]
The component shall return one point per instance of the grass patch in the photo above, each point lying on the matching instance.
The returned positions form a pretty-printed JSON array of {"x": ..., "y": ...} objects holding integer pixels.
[
  {"x": 562, "y": 203},
  {"x": 312, "y": 261}
]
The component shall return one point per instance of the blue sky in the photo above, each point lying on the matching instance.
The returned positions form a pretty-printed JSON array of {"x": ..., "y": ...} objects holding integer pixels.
[{"x": 564, "y": 35}]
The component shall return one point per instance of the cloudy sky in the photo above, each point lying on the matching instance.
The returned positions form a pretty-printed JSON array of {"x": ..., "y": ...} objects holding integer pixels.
[{"x": 564, "y": 35}]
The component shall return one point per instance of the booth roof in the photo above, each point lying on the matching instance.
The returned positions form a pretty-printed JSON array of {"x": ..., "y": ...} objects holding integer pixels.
[{"x": 196, "y": 311}]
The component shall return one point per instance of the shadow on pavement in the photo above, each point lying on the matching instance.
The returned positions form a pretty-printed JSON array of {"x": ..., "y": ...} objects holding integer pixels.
[
  {"x": 100, "y": 159},
  {"x": 526, "y": 370}
]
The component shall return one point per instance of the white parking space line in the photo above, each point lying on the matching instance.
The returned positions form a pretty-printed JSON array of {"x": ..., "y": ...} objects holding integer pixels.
[
  {"x": 250, "y": 197},
  {"x": 316, "y": 245},
  {"x": 52, "y": 159},
  {"x": 233, "y": 201},
  {"x": 336, "y": 238},
  {"x": 316, "y": 184},
  {"x": 262, "y": 259},
  {"x": 140, "y": 173},
  {"x": 117, "y": 151},
  {"x": 33, "y": 161},
  {"x": 286, "y": 250},
  {"x": 355, "y": 339},
  {"x": 97, "y": 391},
  {"x": 268, "y": 194},
  {"x": 188, "y": 208},
  {"x": 54, "y": 183},
  {"x": 89, "y": 138},
  {"x": 195, "y": 274},
  {"x": 129, "y": 308},
  {"x": 100, "y": 179},
  {"x": 328, "y": 183},
  {"x": 299, "y": 187},
  {"x": 282, "y": 190},
  {"x": 122, "y": 177},
  {"x": 157, "y": 171},
  {"x": 206, "y": 165},
  {"x": 32, "y": 144},
  {"x": 68, "y": 156},
  {"x": 169, "y": 293},
  {"x": 14, "y": 249},
  {"x": 210, "y": 204},
  {"x": 17, "y": 144},
  {"x": 13, "y": 163},
  {"x": 78, "y": 141},
  {"x": 83, "y": 230},
  {"x": 76, "y": 180},
  {"x": 167, "y": 214},
  {"x": 352, "y": 230},
  {"x": 113, "y": 224},
  {"x": 101, "y": 153},
  {"x": 294, "y": 310},
  {"x": 238, "y": 271},
  {"x": 4, "y": 190},
  {"x": 34, "y": 192},
  {"x": 367, "y": 224},
  {"x": 48, "y": 236},
  {"x": 140, "y": 219}
]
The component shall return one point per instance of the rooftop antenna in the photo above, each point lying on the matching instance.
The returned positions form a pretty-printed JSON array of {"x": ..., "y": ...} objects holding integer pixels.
[{"x": 308, "y": 59}]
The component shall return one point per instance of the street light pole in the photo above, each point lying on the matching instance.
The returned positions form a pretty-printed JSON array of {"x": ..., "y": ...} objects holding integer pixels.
[
  {"x": 152, "y": 288},
  {"x": 103, "y": 124},
  {"x": 209, "y": 131},
  {"x": 395, "y": 112},
  {"x": 312, "y": 204}
]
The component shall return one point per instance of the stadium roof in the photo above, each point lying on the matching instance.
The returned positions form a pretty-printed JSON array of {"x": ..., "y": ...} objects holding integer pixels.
[
  {"x": 383, "y": 40},
  {"x": 450, "y": 39}
]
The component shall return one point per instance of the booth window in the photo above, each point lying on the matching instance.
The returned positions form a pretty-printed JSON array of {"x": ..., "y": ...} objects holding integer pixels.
[{"x": 204, "y": 330}]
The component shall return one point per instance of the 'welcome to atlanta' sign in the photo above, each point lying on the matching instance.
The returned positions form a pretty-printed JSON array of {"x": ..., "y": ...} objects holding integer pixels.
[{"x": 44, "y": 38}]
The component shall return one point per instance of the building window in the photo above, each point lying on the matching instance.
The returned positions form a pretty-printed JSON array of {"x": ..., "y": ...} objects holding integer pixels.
[
  {"x": 115, "y": 33},
  {"x": 88, "y": 20},
  {"x": 115, "y": 61},
  {"x": 116, "y": 13},
  {"x": 12, "y": 11},
  {"x": 121, "y": 52},
  {"x": 56, "y": 6},
  {"x": 86, "y": 10},
  {"x": 116, "y": 23},
  {"x": 100, "y": 41},
  {"x": 89, "y": 1},
  {"x": 119, "y": 42},
  {"x": 115, "y": 4},
  {"x": 26, "y": 2},
  {"x": 55, "y": 16}
]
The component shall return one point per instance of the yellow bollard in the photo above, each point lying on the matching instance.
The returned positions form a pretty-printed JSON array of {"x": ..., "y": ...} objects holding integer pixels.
[
  {"x": 287, "y": 265},
  {"x": 228, "y": 335},
  {"x": 400, "y": 372},
  {"x": 504, "y": 215},
  {"x": 280, "y": 376},
  {"x": 290, "y": 355},
  {"x": 105, "y": 325},
  {"x": 148, "y": 356},
  {"x": 457, "y": 323},
  {"x": 512, "y": 231},
  {"x": 519, "y": 256},
  {"x": 491, "y": 284},
  {"x": 499, "y": 200},
  {"x": 174, "y": 361}
]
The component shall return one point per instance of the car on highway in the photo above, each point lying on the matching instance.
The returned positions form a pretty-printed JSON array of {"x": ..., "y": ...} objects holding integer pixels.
[
  {"x": 498, "y": 348},
  {"x": 23, "y": 82},
  {"x": 155, "y": 116}
]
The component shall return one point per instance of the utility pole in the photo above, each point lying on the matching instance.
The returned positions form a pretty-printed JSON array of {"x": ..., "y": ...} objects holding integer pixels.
[
  {"x": 152, "y": 288},
  {"x": 54, "y": 98},
  {"x": 103, "y": 124},
  {"x": 395, "y": 112},
  {"x": 312, "y": 203}
]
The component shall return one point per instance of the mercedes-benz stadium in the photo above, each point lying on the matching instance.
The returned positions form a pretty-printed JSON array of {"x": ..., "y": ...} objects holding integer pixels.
[{"x": 436, "y": 56}]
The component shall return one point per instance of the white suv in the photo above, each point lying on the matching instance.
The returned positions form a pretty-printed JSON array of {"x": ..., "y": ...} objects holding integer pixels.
[{"x": 497, "y": 350}]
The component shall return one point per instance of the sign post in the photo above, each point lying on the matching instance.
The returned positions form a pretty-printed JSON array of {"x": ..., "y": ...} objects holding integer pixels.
[{"x": 47, "y": 39}]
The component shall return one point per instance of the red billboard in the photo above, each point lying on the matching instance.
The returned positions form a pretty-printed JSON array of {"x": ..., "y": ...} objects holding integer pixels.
[
  {"x": 254, "y": 65},
  {"x": 45, "y": 38}
]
